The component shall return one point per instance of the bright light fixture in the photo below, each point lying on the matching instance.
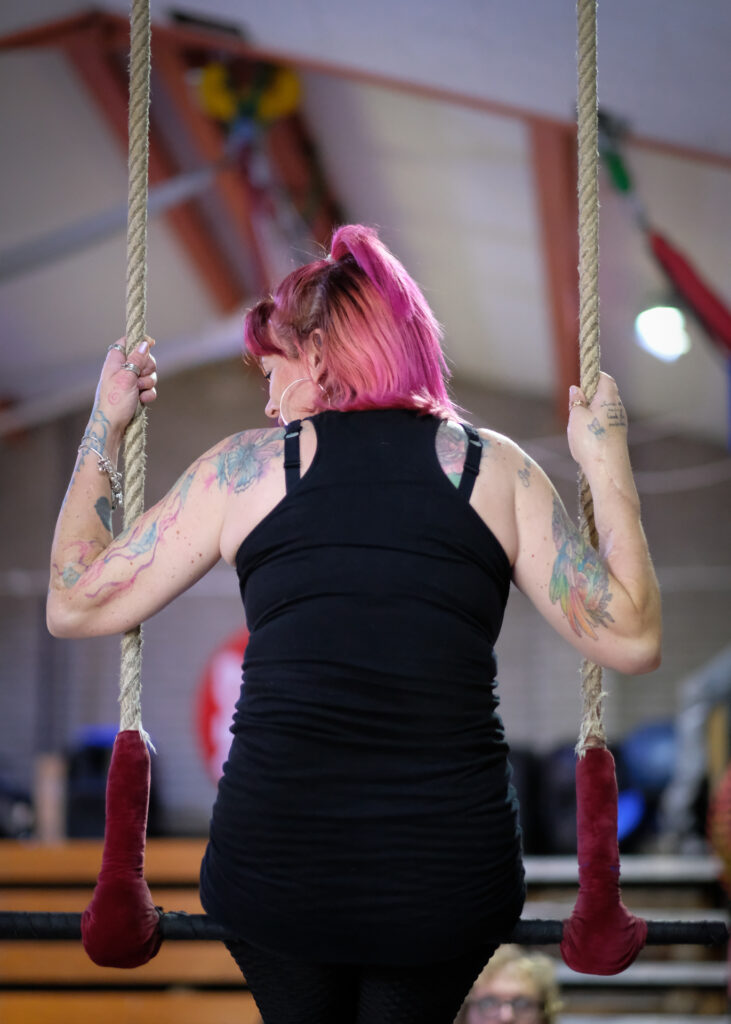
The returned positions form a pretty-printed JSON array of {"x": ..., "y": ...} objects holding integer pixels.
[{"x": 661, "y": 331}]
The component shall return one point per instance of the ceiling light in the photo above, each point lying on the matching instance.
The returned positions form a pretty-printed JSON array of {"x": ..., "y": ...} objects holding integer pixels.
[{"x": 661, "y": 331}]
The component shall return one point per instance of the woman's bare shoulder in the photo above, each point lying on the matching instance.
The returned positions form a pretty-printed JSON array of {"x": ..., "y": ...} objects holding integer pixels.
[
  {"x": 502, "y": 453},
  {"x": 505, "y": 458},
  {"x": 499, "y": 443}
]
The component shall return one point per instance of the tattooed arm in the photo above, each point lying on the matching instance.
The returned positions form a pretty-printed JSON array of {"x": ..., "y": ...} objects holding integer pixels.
[
  {"x": 100, "y": 585},
  {"x": 606, "y": 603}
]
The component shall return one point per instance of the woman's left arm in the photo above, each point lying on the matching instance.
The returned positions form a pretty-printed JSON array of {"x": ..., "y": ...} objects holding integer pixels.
[
  {"x": 605, "y": 602},
  {"x": 100, "y": 584}
]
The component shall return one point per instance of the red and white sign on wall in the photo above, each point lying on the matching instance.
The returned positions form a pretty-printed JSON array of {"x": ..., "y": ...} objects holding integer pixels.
[{"x": 217, "y": 695}]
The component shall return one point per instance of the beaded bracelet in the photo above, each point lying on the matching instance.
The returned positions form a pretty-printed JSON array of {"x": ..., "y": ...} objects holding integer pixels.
[{"x": 105, "y": 466}]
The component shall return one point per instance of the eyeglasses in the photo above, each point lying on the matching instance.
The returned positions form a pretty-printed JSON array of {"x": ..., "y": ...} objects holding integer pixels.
[{"x": 489, "y": 1007}]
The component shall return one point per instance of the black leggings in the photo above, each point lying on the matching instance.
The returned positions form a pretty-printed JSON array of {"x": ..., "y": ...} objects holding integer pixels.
[{"x": 293, "y": 992}]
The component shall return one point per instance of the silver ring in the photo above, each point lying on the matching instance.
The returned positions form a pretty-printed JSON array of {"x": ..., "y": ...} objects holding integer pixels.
[
  {"x": 119, "y": 348},
  {"x": 136, "y": 370}
]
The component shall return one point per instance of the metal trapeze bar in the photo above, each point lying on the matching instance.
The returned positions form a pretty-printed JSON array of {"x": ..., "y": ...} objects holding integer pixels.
[{"x": 19, "y": 926}]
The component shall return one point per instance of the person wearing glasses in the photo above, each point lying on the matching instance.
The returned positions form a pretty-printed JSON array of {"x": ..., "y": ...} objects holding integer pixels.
[{"x": 514, "y": 986}]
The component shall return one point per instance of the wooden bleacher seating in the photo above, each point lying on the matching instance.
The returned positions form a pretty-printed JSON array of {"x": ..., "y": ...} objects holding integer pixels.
[{"x": 55, "y": 982}]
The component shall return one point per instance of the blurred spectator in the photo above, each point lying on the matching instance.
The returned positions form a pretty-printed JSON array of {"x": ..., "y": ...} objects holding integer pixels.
[{"x": 514, "y": 986}]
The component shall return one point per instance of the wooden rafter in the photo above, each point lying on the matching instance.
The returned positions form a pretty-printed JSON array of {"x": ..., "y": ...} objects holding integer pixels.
[
  {"x": 93, "y": 43},
  {"x": 231, "y": 185},
  {"x": 189, "y": 38},
  {"x": 53, "y": 33},
  {"x": 97, "y": 67},
  {"x": 90, "y": 42},
  {"x": 552, "y": 145},
  {"x": 554, "y": 172}
]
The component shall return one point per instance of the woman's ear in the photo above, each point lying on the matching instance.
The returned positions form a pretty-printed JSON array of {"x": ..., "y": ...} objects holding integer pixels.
[{"x": 314, "y": 353}]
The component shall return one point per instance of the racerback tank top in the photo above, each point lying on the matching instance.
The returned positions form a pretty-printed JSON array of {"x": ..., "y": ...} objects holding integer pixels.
[{"x": 365, "y": 812}]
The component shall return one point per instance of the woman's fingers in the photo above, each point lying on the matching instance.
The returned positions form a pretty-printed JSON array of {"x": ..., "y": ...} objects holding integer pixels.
[
  {"x": 577, "y": 398},
  {"x": 148, "y": 396},
  {"x": 147, "y": 380},
  {"x": 117, "y": 351},
  {"x": 606, "y": 391},
  {"x": 139, "y": 363},
  {"x": 126, "y": 379},
  {"x": 148, "y": 387}
]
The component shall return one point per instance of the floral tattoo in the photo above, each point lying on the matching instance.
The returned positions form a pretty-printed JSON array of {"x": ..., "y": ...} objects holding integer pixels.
[
  {"x": 452, "y": 450},
  {"x": 233, "y": 466},
  {"x": 579, "y": 581}
]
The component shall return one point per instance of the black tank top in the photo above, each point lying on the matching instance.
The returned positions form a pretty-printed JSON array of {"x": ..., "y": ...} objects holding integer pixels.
[{"x": 365, "y": 812}]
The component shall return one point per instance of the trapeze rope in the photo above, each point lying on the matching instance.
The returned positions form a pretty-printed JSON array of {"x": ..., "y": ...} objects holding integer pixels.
[
  {"x": 588, "y": 194},
  {"x": 120, "y": 926},
  {"x": 130, "y": 682}
]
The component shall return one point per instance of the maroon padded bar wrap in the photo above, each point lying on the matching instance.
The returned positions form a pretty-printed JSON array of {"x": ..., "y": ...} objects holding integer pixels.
[
  {"x": 120, "y": 927},
  {"x": 601, "y": 936}
]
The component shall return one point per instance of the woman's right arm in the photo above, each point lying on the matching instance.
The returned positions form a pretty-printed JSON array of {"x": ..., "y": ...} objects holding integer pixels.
[
  {"x": 606, "y": 602},
  {"x": 100, "y": 584}
]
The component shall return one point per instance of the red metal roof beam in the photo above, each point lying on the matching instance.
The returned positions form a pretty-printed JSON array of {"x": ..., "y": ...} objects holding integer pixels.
[{"x": 97, "y": 66}]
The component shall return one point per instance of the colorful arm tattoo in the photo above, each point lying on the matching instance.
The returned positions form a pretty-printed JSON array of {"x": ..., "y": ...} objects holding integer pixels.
[
  {"x": 579, "y": 580},
  {"x": 243, "y": 460},
  {"x": 452, "y": 450},
  {"x": 233, "y": 467}
]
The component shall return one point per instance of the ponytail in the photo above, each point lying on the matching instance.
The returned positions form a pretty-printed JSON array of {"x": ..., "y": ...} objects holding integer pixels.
[
  {"x": 380, "y": 340},
  {"x": 384, "y": 271}
]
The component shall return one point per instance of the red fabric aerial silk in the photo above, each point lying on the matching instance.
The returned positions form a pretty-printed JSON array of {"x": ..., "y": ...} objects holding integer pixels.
[
  {"x": 704, "y": 303},
  {"x": 601, "y": 936},
  {"x": 120, "y": 927}
]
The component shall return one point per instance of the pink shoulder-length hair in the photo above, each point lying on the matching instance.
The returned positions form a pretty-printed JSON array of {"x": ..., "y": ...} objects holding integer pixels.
[{"x": 380, "y": 343}]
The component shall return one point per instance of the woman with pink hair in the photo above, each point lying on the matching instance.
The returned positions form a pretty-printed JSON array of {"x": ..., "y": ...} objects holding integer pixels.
[{"x": 364, "y": 845}]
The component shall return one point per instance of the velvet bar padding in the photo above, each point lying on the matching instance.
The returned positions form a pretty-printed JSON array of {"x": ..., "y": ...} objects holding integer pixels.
[
  {"x": 601, "y": 936},
  {"x": 120, "y": 927}
]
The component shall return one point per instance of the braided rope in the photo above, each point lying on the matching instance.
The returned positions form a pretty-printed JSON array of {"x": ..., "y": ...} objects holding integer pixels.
[
  {"x": 130, "y": 683},
  {"x": 588, "y": 192}
]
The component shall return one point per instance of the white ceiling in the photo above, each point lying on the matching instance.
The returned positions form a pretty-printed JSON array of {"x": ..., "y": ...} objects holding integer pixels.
[{"x": 451, "y": 188}]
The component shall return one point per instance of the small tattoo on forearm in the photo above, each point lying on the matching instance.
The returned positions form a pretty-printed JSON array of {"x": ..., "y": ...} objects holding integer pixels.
[
  {"x": 98, "y": 427},
  {"x": 524, "y": 473},
  {"x": 104, "y": 511},
  {"x": 85, "y": 552},
  {"x": 596, "y": 428},
  {"x": 70, "y": 575}
]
